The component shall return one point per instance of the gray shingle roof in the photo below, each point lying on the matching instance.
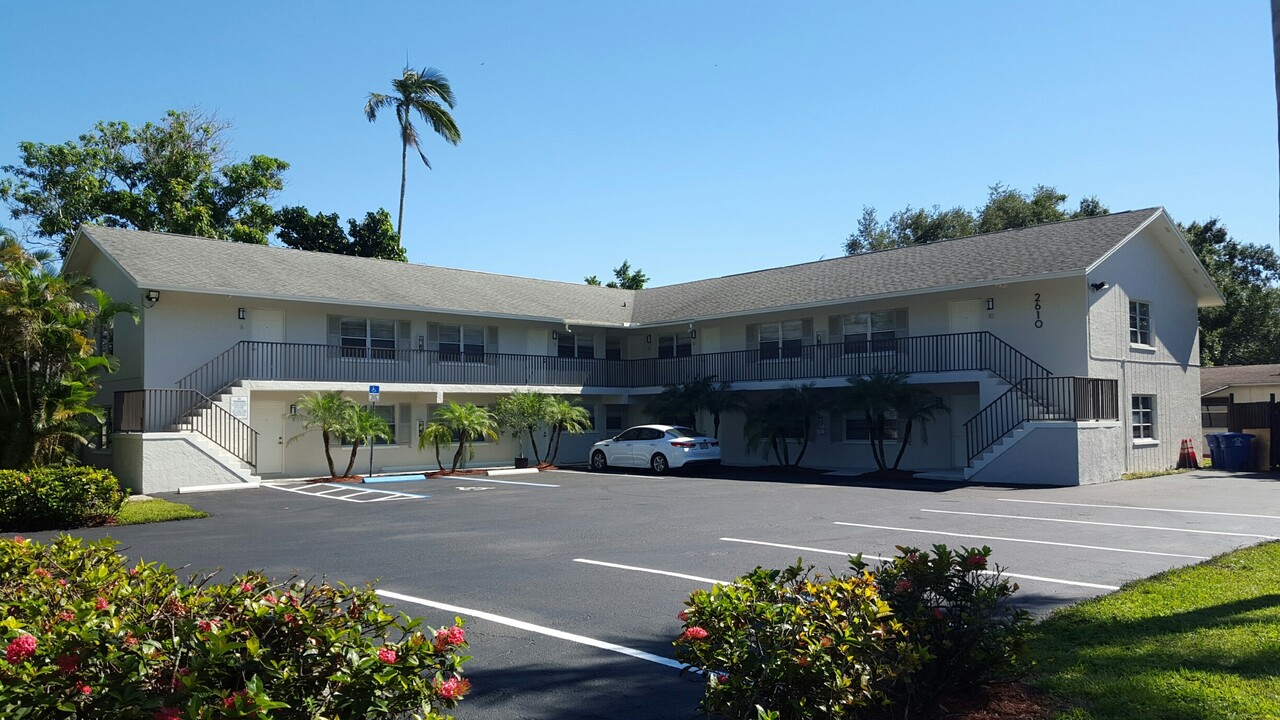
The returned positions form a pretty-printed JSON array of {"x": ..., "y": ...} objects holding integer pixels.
[
  {"x": 1050, "y": 249},
  {"x": 1221, "y": 376},
  {"x": 179, "y": 262}
]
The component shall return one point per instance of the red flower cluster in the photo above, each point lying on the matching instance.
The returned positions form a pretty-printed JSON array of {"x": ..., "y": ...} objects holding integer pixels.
[
  {"x": 453, "y": 688},
  {"x": 448, "y": 637},
  {"x": 694, "y": 633},
  {"x": 83, "y": 689},
  {"x": 207, "y": 625},
  {"x": 387, "y": 655},
  {"x": 230, "y": 700},
  {"x": 20, "y": 648},
  {"x": 68, "y": 663},
  {"x": 246, "y": 587},
  {"x": 100, "y": 604},
  {"x": 976, "y": 562},
  {"x": 904, "y": 585},
  {"x": 168, "y": 713},
  {"x": 66, "y": 616}
]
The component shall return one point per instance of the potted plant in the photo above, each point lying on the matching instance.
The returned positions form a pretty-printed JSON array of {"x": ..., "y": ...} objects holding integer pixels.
[{"x": 519, "y": 414}]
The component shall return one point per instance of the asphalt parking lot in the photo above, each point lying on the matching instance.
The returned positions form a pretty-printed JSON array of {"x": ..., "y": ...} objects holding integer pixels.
[{"x": 571, "y": 581}]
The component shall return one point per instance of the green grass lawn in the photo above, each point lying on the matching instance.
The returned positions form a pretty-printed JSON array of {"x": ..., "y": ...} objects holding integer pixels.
[
  {"x": 155, "y": 510},
  {"x": 1190, "y": 644}
]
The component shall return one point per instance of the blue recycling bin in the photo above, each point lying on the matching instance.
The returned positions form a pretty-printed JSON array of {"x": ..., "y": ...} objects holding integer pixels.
[
  {"x": 1214, "y": 443},
  {"x": 1237, "y": 450}
]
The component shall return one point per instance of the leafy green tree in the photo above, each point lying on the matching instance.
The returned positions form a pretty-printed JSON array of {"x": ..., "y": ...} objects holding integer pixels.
[
  {"x": 679, "y": 404},
  {"x": 1246, "y": 331},
  {"x": 167, "y": 176},
  {"x": 564, "y": 416},
  {"x": 363, "y": 426},
  {"x": 624, "y": 278},
  {"x": 521, "y": 413},
  {"x": 435, "y": 434},
  {"x": 468, "y": 423},
  {"x": 49, "y": 363},
  {"x": 778, "y": 420},
  {"x": 427, "y": 94},
  {"x": 373, "y": 237},
  {"x": 329, "y": 412}
]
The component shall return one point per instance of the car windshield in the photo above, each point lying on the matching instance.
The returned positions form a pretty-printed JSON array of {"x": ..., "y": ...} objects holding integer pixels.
[{"x": 684, "y": 432}]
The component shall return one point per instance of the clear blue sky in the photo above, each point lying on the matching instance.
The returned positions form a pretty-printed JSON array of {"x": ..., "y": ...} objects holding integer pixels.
[{"x": 694, "y": 138}]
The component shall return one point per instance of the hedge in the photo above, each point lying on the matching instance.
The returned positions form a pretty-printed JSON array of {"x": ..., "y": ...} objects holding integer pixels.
[{"x": 58, "y": 497}]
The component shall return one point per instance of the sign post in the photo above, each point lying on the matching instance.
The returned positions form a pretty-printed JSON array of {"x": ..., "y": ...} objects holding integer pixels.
[{"x": 374, "y": 393}]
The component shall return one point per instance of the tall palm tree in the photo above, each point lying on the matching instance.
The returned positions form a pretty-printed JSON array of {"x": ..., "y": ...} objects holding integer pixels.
[
  {"x": 364, "y": 425},
  {"x": 876, "y": 396},
  {"x": 330, "y": 413},
  {"x": 435, "y": 434},
  {"x": 428, "y": 94},
  {"x": 468, "y": 423}
]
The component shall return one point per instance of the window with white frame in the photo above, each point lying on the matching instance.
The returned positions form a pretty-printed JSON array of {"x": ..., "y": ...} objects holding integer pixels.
[
  {"x": 388, "y": 414},
  {"x": 870, "y": 331},
  {"x": 576, "y": 345},
  {"x": 675, "y": 345},
  {"x": 781, "y": 339},
  {"x": 1139, "y": 323},
  {"x": 462, "y": 343},
  {"x": 1144, "y": 417},
  {"x": 363, "y": 337},
  {"x": 613, "y": 418},
  {"x": 857, "y": 427}
]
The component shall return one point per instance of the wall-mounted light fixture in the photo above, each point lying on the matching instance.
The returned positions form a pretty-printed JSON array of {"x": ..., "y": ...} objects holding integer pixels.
[
  {"x": 818, "y": 337},
  {"x": 240, "y": 313},
  {"x": 293, "y": 409},
  {"x": 555, "y": 335},
  {"x": 693, "y": 333},
  {"x": 422, "y": 343},
  {"x": 422, "y": 425},
  {"x": 991, "y": 303},
  {"x": 648, "y": 338},
  {"x": 1099, "y": 286},
  {"x": 152, "y": 297}
]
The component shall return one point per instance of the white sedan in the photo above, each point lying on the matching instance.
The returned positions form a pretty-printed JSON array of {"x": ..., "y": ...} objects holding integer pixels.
[{"x": 657, "y": 447}]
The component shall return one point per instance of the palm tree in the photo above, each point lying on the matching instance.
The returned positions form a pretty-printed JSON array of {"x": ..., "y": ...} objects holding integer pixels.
[
  {"x": 876, "y": 396},
  {"x": 426, "y": 93},
  {"x": 364, "y": 425},
  {"x": 782, "y": 418},
  {"x": 717, "y": 399},
  {"x": 467, "y": 423},
  {"x": 564, "y": 416},
  {"x": 435, "y": 434},
  {"x": 330, "y": 413},
  {"x": 916, "y": 405}
]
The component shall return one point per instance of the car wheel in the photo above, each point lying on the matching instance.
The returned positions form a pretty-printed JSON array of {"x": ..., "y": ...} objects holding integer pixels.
[
  {"x": 658, "y": 463},
  {"x": 599, "y": 461}
]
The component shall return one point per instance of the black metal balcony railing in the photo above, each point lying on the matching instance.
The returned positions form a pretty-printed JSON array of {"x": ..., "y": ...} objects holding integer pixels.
[
  {"x": 165, "y": 410},
  {"x": 250, "y": 360},
  {"x": 1042, "y": 398}
]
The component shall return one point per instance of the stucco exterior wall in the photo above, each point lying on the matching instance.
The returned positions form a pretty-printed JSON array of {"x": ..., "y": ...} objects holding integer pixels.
[
  {"x": 1046, "y": 455},
  {"x": 1168, "y": 368},
  {"x": 129, "y": 341}
]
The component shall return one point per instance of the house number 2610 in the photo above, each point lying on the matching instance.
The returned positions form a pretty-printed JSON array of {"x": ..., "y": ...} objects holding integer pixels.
[{"x": 1039, "y": 322}]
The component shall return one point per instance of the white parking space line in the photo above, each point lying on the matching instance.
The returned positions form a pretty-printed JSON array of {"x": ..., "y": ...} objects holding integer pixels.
[
  {"x": 695, "y": 578},
  {"x": 541, "y": 630},
  {"x": 384, "y": 495},
  {"x": 1056, "y": 581},
  {"x": 1134, "y": 507},
  {"x": 1105, "y": 524},
  {"x": 1021, "y": 540},
  {"x": 487, "y": 480}
]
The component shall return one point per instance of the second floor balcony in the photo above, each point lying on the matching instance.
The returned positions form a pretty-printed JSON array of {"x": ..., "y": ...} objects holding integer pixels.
[{"x": 251, "y": 360}]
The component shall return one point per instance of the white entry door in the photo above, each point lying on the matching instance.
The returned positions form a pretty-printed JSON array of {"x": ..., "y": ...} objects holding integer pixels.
[
  {"x": 268, "y": 419},
  {"x": 966, "y": 315},
  {"x": 265, "y": 326}
]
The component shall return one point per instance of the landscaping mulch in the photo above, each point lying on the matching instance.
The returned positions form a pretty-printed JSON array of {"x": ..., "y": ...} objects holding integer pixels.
[
  {"x": 343, "y": 479},
  {"x": 1001, "y": 701}
]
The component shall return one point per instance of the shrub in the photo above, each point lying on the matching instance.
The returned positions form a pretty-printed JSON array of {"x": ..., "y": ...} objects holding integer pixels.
[
  {"x": 888, "y": 643},
  {"x": 86, "y": 636},
  {"x": 956, "y": 611},
  {"x": 789, "y": 642},
  {"x": 58, "y": 497}
]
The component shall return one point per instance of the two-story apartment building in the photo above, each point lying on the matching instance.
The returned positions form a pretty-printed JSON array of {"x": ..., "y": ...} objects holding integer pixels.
[{"x": 1067, "y": 353}]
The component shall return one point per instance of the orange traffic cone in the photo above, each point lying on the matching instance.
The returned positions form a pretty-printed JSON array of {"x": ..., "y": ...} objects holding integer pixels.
[
  {"x": 1182, "y": 455},
  {"x": 1193, "y": 462}
]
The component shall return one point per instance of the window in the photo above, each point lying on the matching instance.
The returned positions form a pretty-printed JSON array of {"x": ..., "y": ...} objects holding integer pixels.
[
  {"x": 781, "y": 339},
  {"x": 387, "y": 413},
  {"x": 613, "y": 418},
  {"x": 360, "y": 337},
  {"x": 1144, "y": 417},
  {"x": 107, "y": 337},
  {"x": 677, "y": 345},
  {"x": 613, "y": 348},
  {"x": 576, "y": 345},
  {"x": 870, "y": 332},
  {"x": 1215, "y": 415},
  {"x": 462, "y": 343},
  {"x": 1139, "y": 323},
  {"x": 856, "y": 427}
]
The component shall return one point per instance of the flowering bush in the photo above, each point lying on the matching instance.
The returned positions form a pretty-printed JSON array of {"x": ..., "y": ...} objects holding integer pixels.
[
  {"x": 58, "y": 497},
  {"x": 957, "y": 612},
  {"x": 792, "y": 643},
  {"x": 884, "y": 643},
  {"x": 86, "y": 636}
]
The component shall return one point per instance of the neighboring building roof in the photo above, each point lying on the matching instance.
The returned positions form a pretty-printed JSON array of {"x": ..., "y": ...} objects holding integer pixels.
[
  {"x": 1213, "y": 379},
  {"x": 163, "y": 261}
]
